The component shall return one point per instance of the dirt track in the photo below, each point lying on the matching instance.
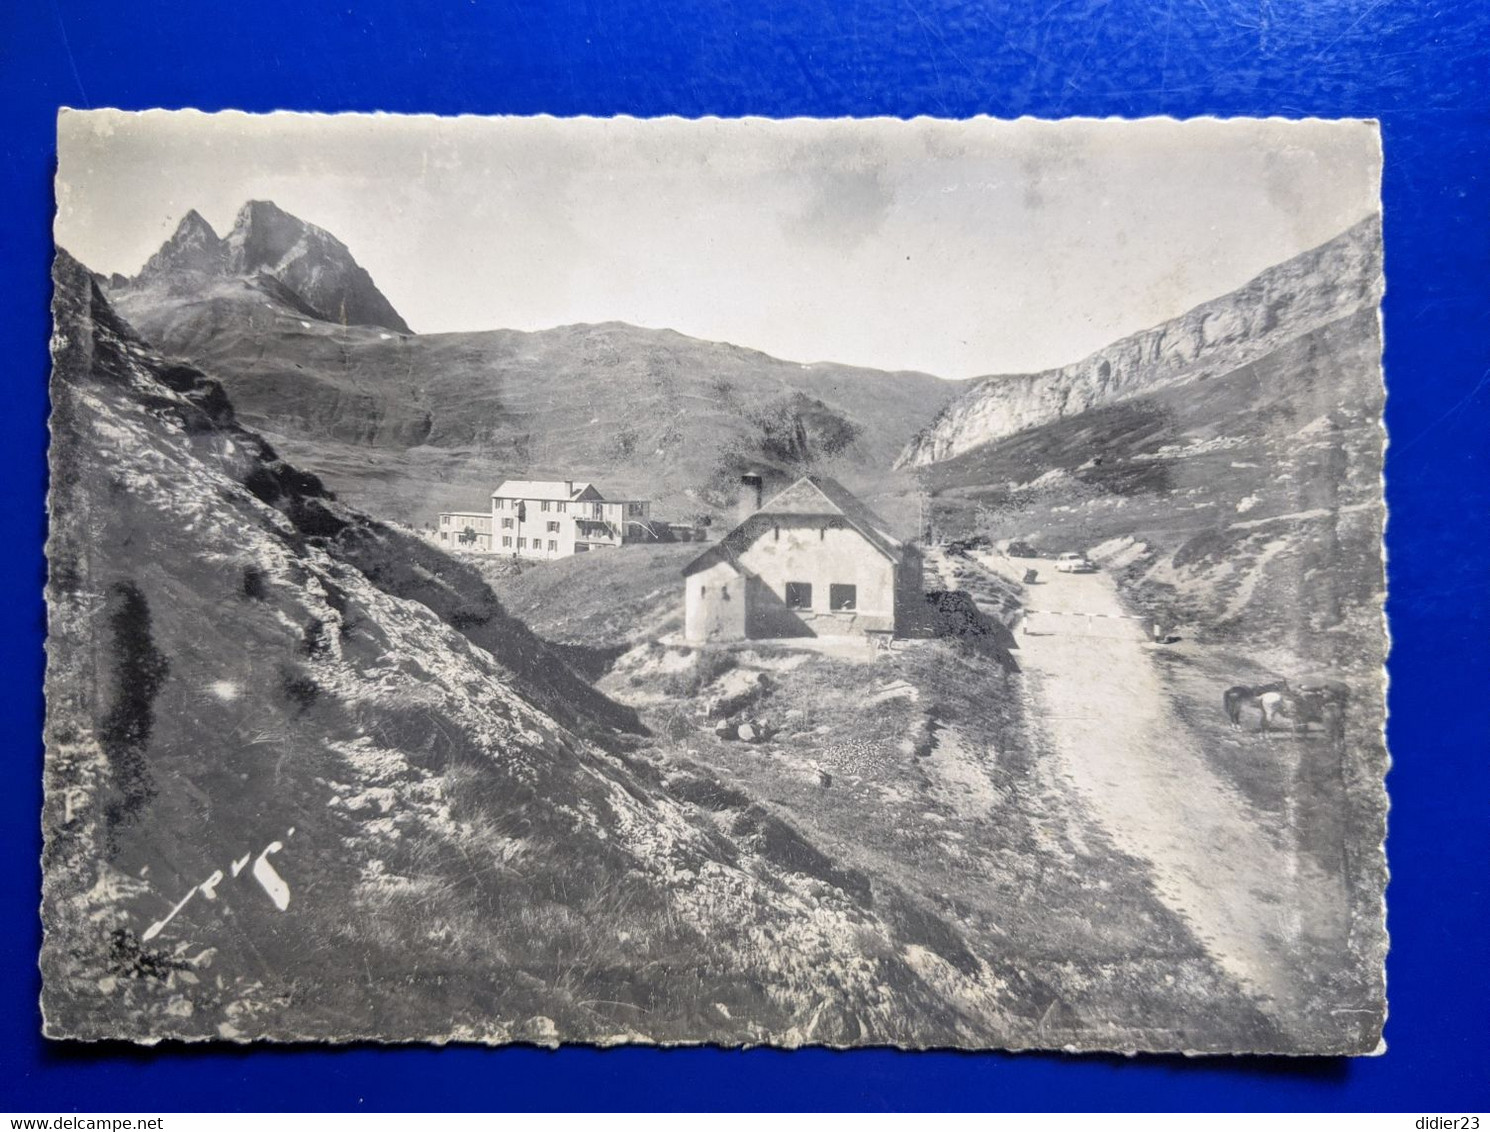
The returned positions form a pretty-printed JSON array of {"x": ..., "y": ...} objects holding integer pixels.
[{"x": 1141, "y": 769}]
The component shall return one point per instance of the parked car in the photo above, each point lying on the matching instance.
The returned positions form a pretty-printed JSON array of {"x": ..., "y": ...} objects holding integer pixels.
[
  {"x": 1072, "y": 563},
  {"x": 1022, "y": 550},
  {"x": 963, "y": 547}
]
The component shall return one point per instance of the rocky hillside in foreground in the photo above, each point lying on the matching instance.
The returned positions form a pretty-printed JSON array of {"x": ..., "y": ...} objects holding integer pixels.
[
  {"x": 406, "y": 425},
  {"x": 278, "y": 730},
  {"x": 1293, "y": 298}
]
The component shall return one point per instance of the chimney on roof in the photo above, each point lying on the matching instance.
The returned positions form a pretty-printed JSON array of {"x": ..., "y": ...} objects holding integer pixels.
[
  {"x": 569, "y": 489},
  {"x": 749, "y": 501}
]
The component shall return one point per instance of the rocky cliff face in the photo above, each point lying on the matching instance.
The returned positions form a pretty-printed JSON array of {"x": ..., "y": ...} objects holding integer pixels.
[
  {"x": 268, "y": 245},
  {"x": 1286, "y": 301}
]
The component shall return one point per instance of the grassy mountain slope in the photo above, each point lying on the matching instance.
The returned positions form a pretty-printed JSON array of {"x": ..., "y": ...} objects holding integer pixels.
[{"x": 406, "y": 425}]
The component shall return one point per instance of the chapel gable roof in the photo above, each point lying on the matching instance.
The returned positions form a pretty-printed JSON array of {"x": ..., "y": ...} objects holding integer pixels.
[{"x": 813, "y": 495}]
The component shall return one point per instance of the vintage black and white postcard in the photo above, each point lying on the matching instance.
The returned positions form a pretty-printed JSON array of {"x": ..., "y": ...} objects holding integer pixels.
[{"x": 856, "y": 582}]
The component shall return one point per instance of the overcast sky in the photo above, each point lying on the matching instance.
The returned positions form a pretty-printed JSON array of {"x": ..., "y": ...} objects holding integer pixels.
[{"x": 958, "y": 248}]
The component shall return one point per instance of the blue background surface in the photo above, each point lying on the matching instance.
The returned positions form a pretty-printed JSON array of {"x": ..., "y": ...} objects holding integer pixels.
[{"x": 1421, "y": 68}]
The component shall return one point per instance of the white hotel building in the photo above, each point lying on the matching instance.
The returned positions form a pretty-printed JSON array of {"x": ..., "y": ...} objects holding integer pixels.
[{"x": 547, "y": 519}]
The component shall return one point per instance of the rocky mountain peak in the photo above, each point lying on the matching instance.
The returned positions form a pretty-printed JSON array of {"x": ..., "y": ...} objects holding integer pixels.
[
  {"x": 193, "y": 249},
  {"x": 311, "y": 262},
  {"x": 194, "y": 220},
  {"x": 266, "y": 241},
  {"x": 263, "y": 235}
]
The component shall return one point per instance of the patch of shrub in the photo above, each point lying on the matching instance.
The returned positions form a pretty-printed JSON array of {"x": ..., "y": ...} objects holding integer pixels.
[
  {"x": 128, "y": 959},
  {"x": 312, "y": 639},
  {"x": 297, "y": 687},
  {"x": 678, "y": 725},
  {"x": 712, "y": 665},
  {"x": 336, "y": 598},
  {"x": 313, "y": 519},
  {"x": 264, "y": 484},
  {"x": 705, "y": 668},
  {"x": 303, "y": 483},
  {"x": 139, "y": 672},
  {"x": 469, "y": 614},
  {"x": 255, "y": 584},
  {"x": 623, "y": 444},
  {"x": 707, "y": 792},
  {"x": 798, "y": 429}
]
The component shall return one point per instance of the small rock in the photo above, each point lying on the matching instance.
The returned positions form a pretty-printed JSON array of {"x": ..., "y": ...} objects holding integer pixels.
[
  {"x": 107, "y": 984},
  {"x": 727, "y": 731},
  {"x": 748, "y": 732},
  {"x": 180, "y": 1007},
  {"x": 228, "y": 1030}
]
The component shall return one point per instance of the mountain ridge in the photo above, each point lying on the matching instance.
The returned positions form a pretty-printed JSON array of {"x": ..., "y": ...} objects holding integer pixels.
[
  {"x": 1286, "y": 300},
  {"x": 411, "y": 424}
]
